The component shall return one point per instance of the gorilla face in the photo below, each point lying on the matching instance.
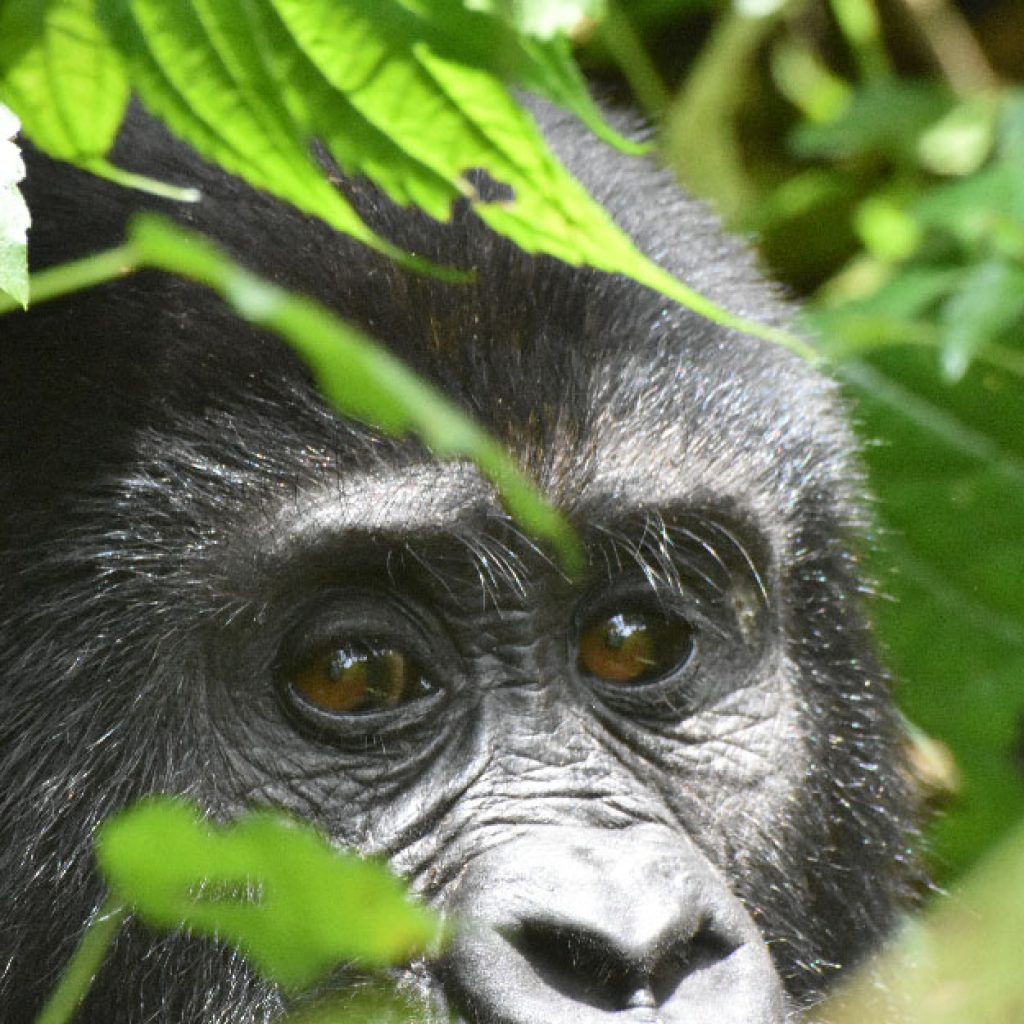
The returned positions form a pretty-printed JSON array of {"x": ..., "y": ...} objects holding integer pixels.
[{"x": 667, "y": 791}]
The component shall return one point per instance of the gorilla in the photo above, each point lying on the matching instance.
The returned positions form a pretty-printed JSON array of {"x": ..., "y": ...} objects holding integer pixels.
[{"x": 668, "y": 790}]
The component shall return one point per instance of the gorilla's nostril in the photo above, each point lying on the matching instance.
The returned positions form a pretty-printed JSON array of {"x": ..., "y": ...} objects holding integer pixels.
[
  {"x": 683, "y": 958},
  {"x": 593, "y": 969},
  {"x": 582, "y": 966}
]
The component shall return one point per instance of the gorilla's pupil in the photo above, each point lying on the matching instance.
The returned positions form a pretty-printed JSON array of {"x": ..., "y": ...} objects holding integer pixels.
[
  {"x": 629, "y": 647},
  {"x": 357, "y": 678}
]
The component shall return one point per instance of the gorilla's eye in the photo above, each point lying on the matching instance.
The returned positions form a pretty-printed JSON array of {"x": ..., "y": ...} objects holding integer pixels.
[
  {"x": 359, "y": 678},
  {"x": 633, "y": 646}
]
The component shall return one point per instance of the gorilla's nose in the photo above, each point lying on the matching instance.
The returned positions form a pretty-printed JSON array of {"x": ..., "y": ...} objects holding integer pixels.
[{"x": 586, "y": 926}]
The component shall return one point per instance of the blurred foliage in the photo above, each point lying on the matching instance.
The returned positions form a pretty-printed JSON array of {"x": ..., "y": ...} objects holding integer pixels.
[
  {"x": 959, "y": 962},
  {"x": 270, "y": 885},
  {"x": 874, "y": 151}
]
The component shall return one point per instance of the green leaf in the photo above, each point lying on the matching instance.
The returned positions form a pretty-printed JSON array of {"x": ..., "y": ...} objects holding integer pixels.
[
  {"x": 950, "y": 555},
  {"x": 886, "y": 229},
  {"x": 527, "y": 43},
  {"x": 431, "y": 110},
  {"x": 81, "y": 971},
  {"x": 400, "y": 91},
  {"x": 14, "y": 215},
  {"x": 275, "y": 888},
  {"x": 60, "y": 73},
  {"x": 987, "y": 304},
  {"x": 887, "y": 116},
  {"x": 959, "y": 143},
  {"x": 203, "y": 78},
  {"x": 973, "y": 210}
]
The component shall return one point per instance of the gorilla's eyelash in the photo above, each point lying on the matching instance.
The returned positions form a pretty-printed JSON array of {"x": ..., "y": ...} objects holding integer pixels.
[
  {"x": 395, "y": 563},
  {"x": 496, "y": 562},
  {"x": 672, "y": 556},
  {"x": 497, "y": 566},
  {"x": 744, "y": 556}
]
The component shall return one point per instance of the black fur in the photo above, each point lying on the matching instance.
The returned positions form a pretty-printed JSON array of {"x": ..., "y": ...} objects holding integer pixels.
[{"x": 176, "y": 500}]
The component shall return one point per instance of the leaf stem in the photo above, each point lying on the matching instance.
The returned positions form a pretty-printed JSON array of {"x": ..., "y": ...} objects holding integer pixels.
[
  {"x": 77, "y": 275},
  {"x": 617, "y": 33},
  {"x": 85, "y": 964},
  {"x": 141, "y": 182}
]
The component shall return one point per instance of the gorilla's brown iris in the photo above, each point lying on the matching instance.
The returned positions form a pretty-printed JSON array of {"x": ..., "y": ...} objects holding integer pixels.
[
  {"x": 633, "y": 646},
  {"x": 359, "y": 678}
]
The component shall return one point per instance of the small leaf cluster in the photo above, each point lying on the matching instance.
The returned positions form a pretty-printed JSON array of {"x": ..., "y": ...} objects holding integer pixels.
[
  {"x": 943, "y": 261},
  {"x": 268, "y": 885}
]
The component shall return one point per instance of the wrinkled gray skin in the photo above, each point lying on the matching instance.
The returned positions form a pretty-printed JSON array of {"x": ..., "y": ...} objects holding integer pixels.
[{"x": 181, "y": 514}]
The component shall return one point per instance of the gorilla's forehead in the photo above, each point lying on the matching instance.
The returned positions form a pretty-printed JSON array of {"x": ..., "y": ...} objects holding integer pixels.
[
  {"x": 750, "y": 435},
  {"x": 596, "y": 383}
]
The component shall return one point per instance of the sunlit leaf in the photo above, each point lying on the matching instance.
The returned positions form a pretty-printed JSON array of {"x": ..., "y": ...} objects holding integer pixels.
[
  {"x": 250, "y": 83},
  {"x": 401, "y": 92},
  {"x": 223, "y": 103},
  {"x": 60, "y": 72}
]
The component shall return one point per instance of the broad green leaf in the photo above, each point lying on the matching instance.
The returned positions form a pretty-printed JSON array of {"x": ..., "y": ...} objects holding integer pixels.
[
  {"x": 399, "y": 90},
  {"x": 273, "y": 887},
  {"x": 527, "y": 43},
  {"x": 223, "y": 106},
  {"x": 950, "y": 554},
  {"x": 14, "y": 215},
  {"x": 357, "y": 375},
  {"x": 443, "y": 117},
  {"x": 62, "y": 76},
  {"x": 987, "y": 304}
]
